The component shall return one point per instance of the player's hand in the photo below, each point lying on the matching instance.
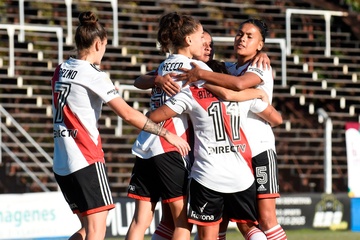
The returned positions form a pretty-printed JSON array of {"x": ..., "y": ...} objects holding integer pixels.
[
  {"x": 190, "y": 75},
  {"x": 182, "y": 146},
  {"x": 261, "y": 60},
  {"x": 167, "y": 84}
]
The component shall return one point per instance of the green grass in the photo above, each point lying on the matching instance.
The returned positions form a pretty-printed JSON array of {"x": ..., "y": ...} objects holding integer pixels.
[
  {"x": 309, "y": 234},
  {"x": 303, "y": 234}
]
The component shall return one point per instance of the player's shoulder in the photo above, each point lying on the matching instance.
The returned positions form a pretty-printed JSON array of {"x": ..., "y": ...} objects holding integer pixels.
[
  {"x": 256, "y": 67},
  {"x": 201, "y": 64},
  {"x": 230, "y": 64},
  {"x": 94, "y": 71},
  {"x": 260, "y": 71},
  {"x": 82, "y": 66}
]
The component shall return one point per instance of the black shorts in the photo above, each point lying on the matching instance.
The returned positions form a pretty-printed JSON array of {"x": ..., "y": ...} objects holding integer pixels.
[
  {"x": 163, "y": 176},
  {"x": 87, "y": 190},
  {"x": 266, "y": 174},
  {"x": 206, "y": 207}
]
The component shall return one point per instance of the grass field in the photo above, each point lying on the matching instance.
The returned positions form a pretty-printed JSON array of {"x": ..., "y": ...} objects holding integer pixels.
[
  {"x": 304, "y": 234},
  {"x": 309, "y": 234}
]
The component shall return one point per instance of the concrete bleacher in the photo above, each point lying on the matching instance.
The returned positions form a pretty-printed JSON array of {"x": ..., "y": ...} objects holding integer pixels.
[{"x": 315, "y": 77}]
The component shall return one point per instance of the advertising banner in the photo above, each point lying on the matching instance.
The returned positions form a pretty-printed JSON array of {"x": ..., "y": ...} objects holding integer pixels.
[
  {"x": 119, "y": 219},
  {"x": 355, "y": 214},
  {"x": 294, "y": 211},
  {"x": 313, "y": 210},
  {"x": 36, "y": 215},
  {"x": 352, "y": 136},
  {"x": 47, "y": 216}
]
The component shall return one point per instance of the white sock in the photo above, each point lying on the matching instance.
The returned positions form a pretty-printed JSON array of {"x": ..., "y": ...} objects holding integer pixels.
[
  {"x": 255, "y": 234},
  {"x": 222, "y": 236},
  {"x": 162, "y": 232},
  {"x": 276, "y": 233}
]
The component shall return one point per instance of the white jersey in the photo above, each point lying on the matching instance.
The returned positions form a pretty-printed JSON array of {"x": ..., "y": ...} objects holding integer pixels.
[
  {"x": 148, "y": 145},
  {"x": 79, "y": 91},
  {"x": 260, "y": 134},
  {"x": 221, "y": 151}
]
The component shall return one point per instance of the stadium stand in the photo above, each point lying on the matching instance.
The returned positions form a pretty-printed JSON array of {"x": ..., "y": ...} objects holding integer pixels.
[{"x": 313, "y": 81}]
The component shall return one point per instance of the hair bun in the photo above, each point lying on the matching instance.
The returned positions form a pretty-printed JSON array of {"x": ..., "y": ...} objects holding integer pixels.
[{"x": 88, "y": 17}]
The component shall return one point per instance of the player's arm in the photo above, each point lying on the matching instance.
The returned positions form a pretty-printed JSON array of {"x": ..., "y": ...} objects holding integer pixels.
[
  {"x": 271, "y": 115},
  {"x": 161, "y": 114},
  {"x": 139, "y": 120},
  {"x": 145, "y": 81},
  {"x": 237, "y": 96},
  {"x": 164, "y": 82},
  {"x": 236, "y": 83}
]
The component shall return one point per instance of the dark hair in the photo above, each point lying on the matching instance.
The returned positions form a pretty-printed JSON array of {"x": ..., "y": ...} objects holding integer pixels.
[
  {"x": 88, "y": 30},
  {"x": 260, "y": 24},
  {"x": 173, "y": 28},
  {"x": 208, "y": 32},
  {"x": 211, "y": 45},
  {"x": 217, "y": 66}
]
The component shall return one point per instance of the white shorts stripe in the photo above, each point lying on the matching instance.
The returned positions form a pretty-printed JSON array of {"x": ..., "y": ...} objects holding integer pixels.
[
  {"x": 104, "y": 184},
  {"x": 272, "y": 172}
]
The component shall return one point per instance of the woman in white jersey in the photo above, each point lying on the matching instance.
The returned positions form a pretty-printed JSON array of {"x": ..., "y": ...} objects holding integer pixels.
[
  {"x": 222, "y": 178},
  {"x": 79, "y": 89},
  {"x": 248, "y": 42},
  {"x": 165, "y": 229},
  {"x": 159, "y": 171}
]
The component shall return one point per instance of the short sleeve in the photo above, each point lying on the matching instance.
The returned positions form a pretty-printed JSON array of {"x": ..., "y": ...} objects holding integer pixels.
[
  {"x": 103, "y": 87},
  {"x": 181, "y": 101},
  {"x": 258, "y": 106}
]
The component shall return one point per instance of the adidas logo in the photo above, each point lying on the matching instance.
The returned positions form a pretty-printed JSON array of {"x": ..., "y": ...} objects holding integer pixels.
[{"x": 261, "y": 188}]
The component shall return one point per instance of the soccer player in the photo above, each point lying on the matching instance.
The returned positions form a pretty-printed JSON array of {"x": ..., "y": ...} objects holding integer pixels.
[
  {"x": 79, "y": 89},
  {"x": 159, "y": 170},
  {"x": 165, "y": 229},
  {"x": 221, "y": 177},
  {"x": 248, "y": 42}
]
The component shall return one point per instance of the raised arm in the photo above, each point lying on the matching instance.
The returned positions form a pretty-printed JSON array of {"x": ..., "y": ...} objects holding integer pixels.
[
  {"x": 145, "y": 81},
  {"x": 164, "y": 82},
  {"x": 139, "y": 120},
  {"x": 270, "y": 114},
  {"x": 237, "y": 96},
  {"x": 236, "y": 83}
]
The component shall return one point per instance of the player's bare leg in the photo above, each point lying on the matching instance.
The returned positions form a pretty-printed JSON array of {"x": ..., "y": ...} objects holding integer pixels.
[
  {"x": 143, "y": 215},
  {"x": 268, "y": 221}
]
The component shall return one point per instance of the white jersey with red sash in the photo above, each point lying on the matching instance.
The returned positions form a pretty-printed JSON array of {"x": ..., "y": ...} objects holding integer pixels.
[
  {"x": 148, "y": 145},
  {"x": 79, "y": 91},
  {"x": 222, "y": 153},
  {"x": 259, "y": 132}
]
